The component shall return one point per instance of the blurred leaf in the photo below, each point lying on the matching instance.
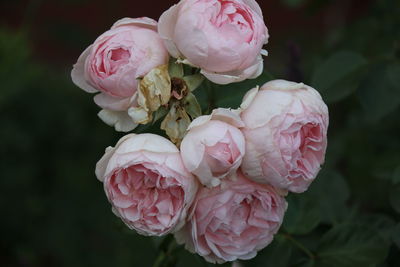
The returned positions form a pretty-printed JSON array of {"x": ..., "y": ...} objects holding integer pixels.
[
  {"x": 381, "y": 223},
  {"x": 395, "y": 198},
  {"x": 293, "y": 3},
  {"x": 332, "y": 192},
  {"x": 349, "y": 245},
  {"x": 175, "y": 69},
  {"x": 379, "y": 93},
  {"x": 276, "y": 254},
  {"x": 193, "y": 81},
  {"x": 396, "y": 235},
  {"x": 338, "y": 76},
  {"x": 306, "y": 263},
  {"x": 302, "y": 216},
  {"x": 231, "y": 95},
  {"x": 185, "y": 259},
  {"x": 192, "y": 107},
  {"x": 160, "y": 113},
  {"x": 396, "y": 175}
]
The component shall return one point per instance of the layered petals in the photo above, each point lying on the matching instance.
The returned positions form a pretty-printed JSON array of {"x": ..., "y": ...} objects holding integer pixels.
[
  {"x": 286, "y": 134},
  {"x": 147, "y": 184},
  {"x": 116, "y": 60},
  {"x": 223, "y": 38},
  {"x": 233, "y": 221},
  {"x": 214, "y": 146}
]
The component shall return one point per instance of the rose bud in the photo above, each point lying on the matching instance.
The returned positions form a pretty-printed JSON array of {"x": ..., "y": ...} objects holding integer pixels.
[
  {"x": 113, "y": 64},
  {"x": 147, "y": 184},
  {"x": 223, "y": 38},
  {"x": 233, "y": 221},
  {"x": 214, "y": 146},
  {"x": 286, "y": 134}
]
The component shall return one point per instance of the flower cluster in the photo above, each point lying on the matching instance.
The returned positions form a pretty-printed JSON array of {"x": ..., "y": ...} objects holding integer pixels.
[{"x": 219, "y": 182}]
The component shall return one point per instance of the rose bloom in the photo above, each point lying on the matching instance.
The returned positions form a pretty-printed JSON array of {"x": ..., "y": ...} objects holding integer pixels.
[
  {"x": 233, "y": 221},
  {"x": 147, "y": 184},
  {"x": 222, "y": 37},
  {"x": 285, "y": 129},
  {"x": 113, "y": 64},
  {"x": 214, "y": 146}
]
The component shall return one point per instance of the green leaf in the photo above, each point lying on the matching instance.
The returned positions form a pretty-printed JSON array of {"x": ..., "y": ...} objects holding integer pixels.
[
  {"x": 349, "y": 245},
  {"x": 302, "y": 215},
  {"x": 395, "y": 198},
  {"x": 396, "y": 235},
  {"x": 175, "y": 69},
  {"x": 379, "y": 93},
  {"x": 306, "y": 263},
  {"x": 159, "y": 114},
  {"x": 339, "y": 75},
  {"x": 396, "y": 175},
  {"x": 332, "y": 191},
  {"x": 383, "y": 224},
  {"x": 193, "y": 81},
  {"x": 185, "y": 259},
  {"x": 276, "y": 254},
  {"x": 231, "y": 95},
  {"x": 192, "y": 106}
]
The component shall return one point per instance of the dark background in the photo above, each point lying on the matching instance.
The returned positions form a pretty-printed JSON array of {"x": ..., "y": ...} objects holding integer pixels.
[{"x": 54, "y": 211}]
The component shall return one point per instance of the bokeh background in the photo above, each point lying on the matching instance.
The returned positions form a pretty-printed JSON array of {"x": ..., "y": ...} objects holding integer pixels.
[{"x": 54, "y": 211}]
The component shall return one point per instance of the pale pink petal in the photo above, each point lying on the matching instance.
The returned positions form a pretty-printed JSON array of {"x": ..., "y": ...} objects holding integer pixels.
[
  {"x": 143, "y": 22},
  {"x": 166, "y": 29},
  {"x": 120, "y": 120},
  {"x": 78, "y": 73}
]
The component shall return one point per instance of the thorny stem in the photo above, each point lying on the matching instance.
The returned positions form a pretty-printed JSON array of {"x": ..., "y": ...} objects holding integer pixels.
[{"x": 299, "y": 246}]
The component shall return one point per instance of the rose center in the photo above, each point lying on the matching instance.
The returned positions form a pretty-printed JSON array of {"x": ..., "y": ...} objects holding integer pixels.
[
  {"x": 299, "y": 144},
  {"x": 229, "y": 16},
  {"x": 119, "y": 54},
  {"x": 145, "y": 197}
]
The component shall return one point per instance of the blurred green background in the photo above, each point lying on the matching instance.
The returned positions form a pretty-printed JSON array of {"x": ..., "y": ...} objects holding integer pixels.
[{"x": 54, "y": 211}]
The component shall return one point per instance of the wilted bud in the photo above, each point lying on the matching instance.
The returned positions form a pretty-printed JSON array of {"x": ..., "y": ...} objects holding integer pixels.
[
  {"x": 176, "y": 122},
  {"x": 154, "y": 91}
]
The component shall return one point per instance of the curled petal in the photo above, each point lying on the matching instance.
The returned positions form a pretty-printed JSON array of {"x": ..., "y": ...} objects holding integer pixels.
[
  {"x": 118, "y": 119},
  {"x": 143, "y": 22},
  {"x": 78, "y": 73},
  {"x": 166, "y": 29},
  {"x": 114, "y": 103},
  {"x": 251, "y": 72}
]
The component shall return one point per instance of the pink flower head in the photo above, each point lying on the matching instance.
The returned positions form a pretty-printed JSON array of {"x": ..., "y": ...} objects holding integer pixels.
[
  {"x": 233, "y": 221},
  {"x": 113, "y": 64},
  {"x": 147, "y": 184},
  {"x": 213, "y": 148},
  {"x": 222, "y": 37},
  {"x": 286, "y": 126}
]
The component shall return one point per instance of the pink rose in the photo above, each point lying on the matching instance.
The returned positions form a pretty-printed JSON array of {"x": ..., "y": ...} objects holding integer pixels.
[
  {"x": 147, "y": 184},
  {"x": 233, "y": 221},
  {"x": 214, "y": 146},
  {"x": 222, "y": 37},
  {"x": 113, "y": 64},
  {"x": 286, "y": 134}
]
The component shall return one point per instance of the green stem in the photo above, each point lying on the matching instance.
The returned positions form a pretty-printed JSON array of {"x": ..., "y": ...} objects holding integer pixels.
[
  {"x": 166, "y": 257},
  {"x": 159, "y": 260},
  {"x": 299, "y": 246}
]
